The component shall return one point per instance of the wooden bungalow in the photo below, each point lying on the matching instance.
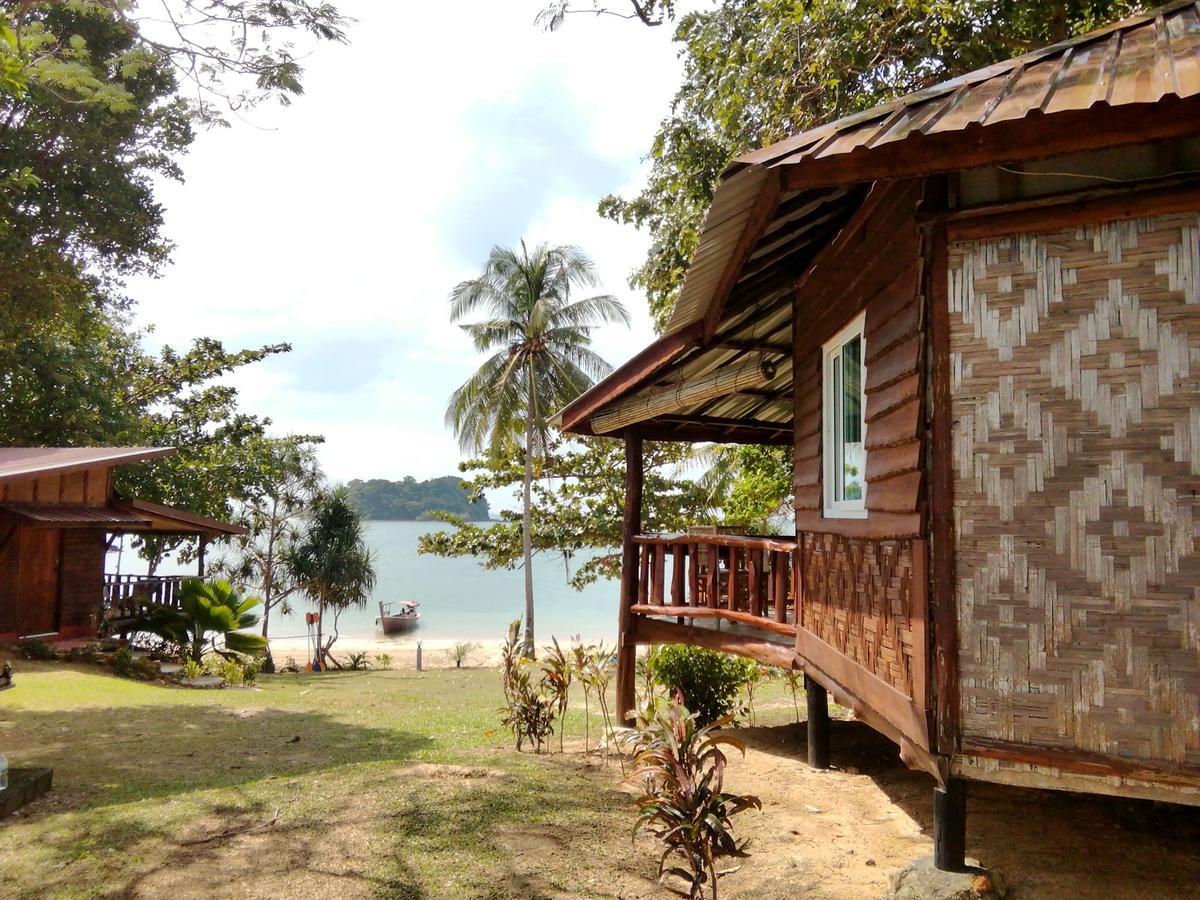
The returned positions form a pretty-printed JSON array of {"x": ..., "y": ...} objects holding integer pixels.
[
  {"x": 974, "y": 314},
  {"x": 58, "y": 510}
]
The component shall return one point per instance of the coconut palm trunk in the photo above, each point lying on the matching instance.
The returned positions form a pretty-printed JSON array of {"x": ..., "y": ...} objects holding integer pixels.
[{"x": 527, "y": 523}]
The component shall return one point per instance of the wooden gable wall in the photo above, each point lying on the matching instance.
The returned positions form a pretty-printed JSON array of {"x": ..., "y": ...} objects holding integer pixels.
[{"x": 90, "y": 487}]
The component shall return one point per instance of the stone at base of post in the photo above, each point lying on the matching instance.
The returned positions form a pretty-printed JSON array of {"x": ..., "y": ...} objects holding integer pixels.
[
  {"x": 950, "y": 825},
  {"x": 817, "y": 700},
  {"x": 626, "y": 673}
]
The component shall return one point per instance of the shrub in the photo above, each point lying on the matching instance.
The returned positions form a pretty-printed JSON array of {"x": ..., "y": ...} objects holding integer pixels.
[
  {"x": 528, "y": 711},
  {"x": 33, "y": 648},
  {"x": 684, "y": 805},
  {"x": 191, "y": 669},
  {"x": 124, "y": 664},
  {"x": 383, "y": 661},
  {"x": 756, "y": 676},
  {"x": 459, "y": 652},
  {"x": 358, "y": 661},
  {"x": 232, "y": 671},
  {"x": 709, "y": 681}
]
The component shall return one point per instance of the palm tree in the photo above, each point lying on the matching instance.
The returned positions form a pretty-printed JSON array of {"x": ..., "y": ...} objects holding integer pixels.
[
  {"x": 539, "y": 340},
  {"x": 207, "y": 610},
  {"x": 332, "y": 562}
]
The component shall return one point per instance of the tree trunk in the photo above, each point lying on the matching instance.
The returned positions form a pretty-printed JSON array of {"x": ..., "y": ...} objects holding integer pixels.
[
  {"x": 320, "y": 623},
  {"x": 527, "y": 517}
]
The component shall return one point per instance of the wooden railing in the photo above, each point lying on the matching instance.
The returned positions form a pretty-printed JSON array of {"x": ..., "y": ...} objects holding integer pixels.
[
  {"x": 747, "y": 580},
  {"x": 127, "y": 595}
]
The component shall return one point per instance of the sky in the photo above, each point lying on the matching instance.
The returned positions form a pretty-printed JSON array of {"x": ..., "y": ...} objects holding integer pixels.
[{"x": 341, "y": 223}]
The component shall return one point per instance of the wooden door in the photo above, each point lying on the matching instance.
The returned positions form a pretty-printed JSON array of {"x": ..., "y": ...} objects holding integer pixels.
[{"x": 37, "y": 592}]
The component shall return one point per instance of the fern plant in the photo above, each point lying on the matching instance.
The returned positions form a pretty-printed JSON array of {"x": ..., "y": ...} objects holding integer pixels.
[{"x": 684, "y": 804}]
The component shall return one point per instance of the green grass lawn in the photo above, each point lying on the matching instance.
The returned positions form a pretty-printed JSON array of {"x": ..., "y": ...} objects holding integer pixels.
[{"x": 392, "y": 783}]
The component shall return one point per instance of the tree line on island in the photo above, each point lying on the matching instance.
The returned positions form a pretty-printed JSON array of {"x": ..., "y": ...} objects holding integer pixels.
[{"x": 409, "y": 500}]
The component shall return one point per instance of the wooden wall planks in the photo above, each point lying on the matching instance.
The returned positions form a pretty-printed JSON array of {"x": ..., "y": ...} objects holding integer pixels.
[{"x": 874, "y": 264}]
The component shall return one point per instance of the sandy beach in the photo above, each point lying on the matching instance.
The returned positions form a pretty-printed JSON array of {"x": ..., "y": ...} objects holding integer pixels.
[{"x": 435, "y": 654}]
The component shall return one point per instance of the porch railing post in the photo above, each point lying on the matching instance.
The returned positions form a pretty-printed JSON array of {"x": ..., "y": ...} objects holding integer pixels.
[{"x": 632, "y": 526}]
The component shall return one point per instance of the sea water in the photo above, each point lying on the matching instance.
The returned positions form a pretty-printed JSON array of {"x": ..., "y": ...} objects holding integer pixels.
[{"x": 460, "y": 599}]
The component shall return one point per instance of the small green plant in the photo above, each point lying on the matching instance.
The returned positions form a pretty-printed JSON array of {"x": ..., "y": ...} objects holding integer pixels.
[
  {"x": 232, "y": 671},
  {"x": 684, "y": 804},
  {"x": 191, "y": 669},
  {"x": 356, "y": 662},
  {"x": 597, "y": 675},
  {"x": 557, "y": 674},
  {"x": 383, "y": 661},
  {"x": 795, "y": 682},
  {"x": 756, "y": 676},
  {"x": 35, "y": 648},
  {"x": 528, "y": 711},
  {"x": 460, "y": 652},
  {"x": 127, "y": 666},
  {"x": 710, "y": 682}
]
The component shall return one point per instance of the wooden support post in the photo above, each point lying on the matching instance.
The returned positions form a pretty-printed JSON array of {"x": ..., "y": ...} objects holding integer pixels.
[
  {"x": 950, "y": 825},
  {"x": 677, "y": 573},
  {"x": 200, "y": 555},
  {"x": 754, "y": 568},
  {"x": 626, "y": 649},
  {"x": 694, "y": 575},
  {"x": 712, "y": 555},
  {"x": 817, "y": 700},
  {"x": 779, "y": 579}
]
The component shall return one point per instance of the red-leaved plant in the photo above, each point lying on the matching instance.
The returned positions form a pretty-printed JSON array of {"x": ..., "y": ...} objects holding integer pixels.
[{"x": 682, "y": 769}]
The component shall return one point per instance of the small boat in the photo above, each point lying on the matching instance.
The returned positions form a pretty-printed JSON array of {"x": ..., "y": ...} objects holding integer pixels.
[{"x": 404, "y": 618}]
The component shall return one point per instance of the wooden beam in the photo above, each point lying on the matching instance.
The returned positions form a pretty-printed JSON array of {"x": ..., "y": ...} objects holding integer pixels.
[
  {"x": 1083, "y": 762},
  {"x": 631, "y": 526},
  {"x": 681, "y": 428},
  {"x": 1068, "y": 212},
  {"x": 941, "y": 499},
  {"x": 704, "y": 612},
  {"x": 760, "y": 217},
  {"x": 656, "y": 631},
  {"x": 1036, "y": 136}
]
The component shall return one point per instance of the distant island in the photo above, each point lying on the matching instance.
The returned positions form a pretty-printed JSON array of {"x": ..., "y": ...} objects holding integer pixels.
[{"x": 412, "y": 500}]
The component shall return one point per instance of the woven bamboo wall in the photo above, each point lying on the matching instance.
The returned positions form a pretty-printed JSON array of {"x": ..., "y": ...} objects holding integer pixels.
[
  {"x": 1075, "y": 370},
  {"x": 858, "y": 598}
]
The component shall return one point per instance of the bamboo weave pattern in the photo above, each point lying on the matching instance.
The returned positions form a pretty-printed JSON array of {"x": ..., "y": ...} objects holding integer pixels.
[{"x": 1075, "y": 381}]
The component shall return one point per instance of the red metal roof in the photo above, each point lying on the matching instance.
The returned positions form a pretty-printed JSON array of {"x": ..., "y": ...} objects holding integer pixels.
[{"x": 21, "y": 463}]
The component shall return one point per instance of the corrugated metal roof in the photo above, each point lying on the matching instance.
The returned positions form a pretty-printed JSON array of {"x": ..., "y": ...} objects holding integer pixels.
[
  {"x": 64, "y": 515},
  {"x": 169, "y": 519},
  {"x": 1139, "y": 60},
  {"x": 20, "y": 463}
]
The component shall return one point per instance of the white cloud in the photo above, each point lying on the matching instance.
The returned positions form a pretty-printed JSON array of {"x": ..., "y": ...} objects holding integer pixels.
[{"x": 341, "y": 223}]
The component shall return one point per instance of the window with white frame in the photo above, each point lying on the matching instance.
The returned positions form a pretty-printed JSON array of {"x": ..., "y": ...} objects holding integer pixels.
[{"x": 844, "y": 410}]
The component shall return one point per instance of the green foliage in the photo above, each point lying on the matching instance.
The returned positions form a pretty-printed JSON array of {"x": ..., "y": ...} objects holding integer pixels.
[
  {"x": 558, "y": 673},
  {"x": 684, "y": 805},
  {"x": 331, "y": 562},
  {"x": 191, "y": 669},
  {"x": 709, "y": 682},
  {"x": 383, "y": 661},
  {"x": 35, "y": 648},
  {"x": 756, "y": 71},
  {"x": 411, "y": 500},
  {"x": 124, "y": 664},
  {"x": 577, "y": 503},
  {"x": 208, "y": 611},
  {"x": 528, "y": 710},
  {"x": 761, "y": 487},
  {"x": 357, "y": 662},
  {"x": 94, "y": 112}
]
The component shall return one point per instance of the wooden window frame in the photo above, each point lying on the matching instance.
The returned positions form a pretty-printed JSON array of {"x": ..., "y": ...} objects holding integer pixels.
[{"x": 830, "y": 421}]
